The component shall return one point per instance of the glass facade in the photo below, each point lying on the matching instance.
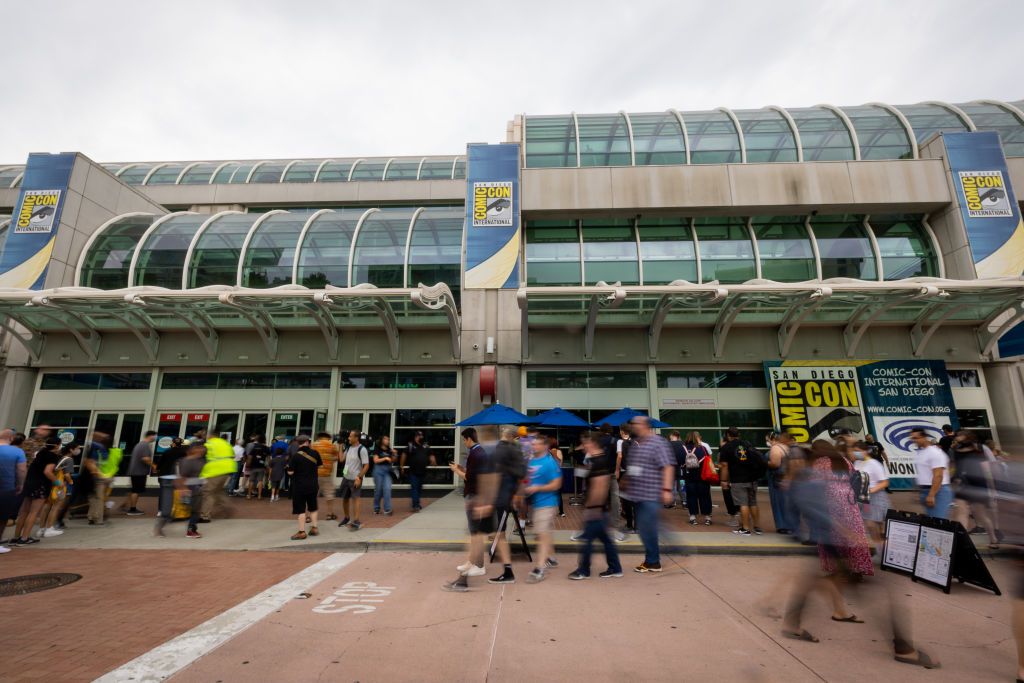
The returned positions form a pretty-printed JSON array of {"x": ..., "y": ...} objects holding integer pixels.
[
  {"x": 785, "y": 249},
  {"x": 844, "y": 247},
  {"x": 753, "y": 424},
  {"x": 550, "y": 142},
  {"x": 666, "y": 250},
  {"x": 905, "y": 247},
  {"x": 553, "y": 253},
  {"x": 711, "y": 379},
  {"x": 9, "y": 175},
  {"x": 166, "y": 174},
  {"x": 435, "y": 248},
  {"x": 268, "y": 172},
  {"x": 988, "y": 117},
  {"x": 927, "y": 119},
  {"x": 713, "y": 138},
  {"x": 301, "y": 172},
  {"x": 324, "y": 252},
  {"x": 107, "y": 262},
  {"x": 334, "y": 172},
  {"x": 215, "y": 255},
  {"x": 881, "y": 135},
  {"x": 398, "y": 380},
  {"x": 726, "y": 252},
  {"x": 271, "y": 252},
  {"x": 586, "y": 379},
  {"x": 161, "y": 255},
  {"x": 610, "y": 251},
  {"x": 767, "y": 136},
  {"x": 657, "y": 139},
  {"x": 368, "y": 169},
  {"x": 199, "y": 174},
  {"x": 379, "y": 256},
  {"x": 823, "y": 135},
  {"x": 604, "y": 140},
  {"x": 93, "y": 381}
]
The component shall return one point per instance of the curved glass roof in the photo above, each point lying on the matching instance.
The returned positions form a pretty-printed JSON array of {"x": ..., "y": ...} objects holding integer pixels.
[
  {"x": 824, "y": 133},
  {"x": 393, "y": 246},
  {"x": 10, "y": 174},
  {"x": 5, "y": 224}
]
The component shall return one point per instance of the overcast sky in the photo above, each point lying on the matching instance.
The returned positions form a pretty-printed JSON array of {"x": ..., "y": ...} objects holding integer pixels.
[{"x": 123, "y": 81}]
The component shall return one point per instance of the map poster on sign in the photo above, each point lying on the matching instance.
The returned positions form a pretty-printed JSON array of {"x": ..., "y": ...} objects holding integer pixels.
[
  {"x": 900, "y": 545},
  {"x": 934, "y": 557},
  {"x": 899, "y": 397},
  {"x": 810, "y": 399}
]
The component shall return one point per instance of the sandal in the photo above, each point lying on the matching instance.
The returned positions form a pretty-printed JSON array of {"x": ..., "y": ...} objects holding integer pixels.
[
  {"x": 299, "y": 536},
  {"x": 852, "y": 619},
  {"x": 801, "y": 635},
  {"x": 921, "y": 658},
  {"x": 313, "y": 531}
]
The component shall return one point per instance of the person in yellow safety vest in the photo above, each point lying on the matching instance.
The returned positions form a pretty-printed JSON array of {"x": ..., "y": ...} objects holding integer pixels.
[{"x": 220, "y": 465}]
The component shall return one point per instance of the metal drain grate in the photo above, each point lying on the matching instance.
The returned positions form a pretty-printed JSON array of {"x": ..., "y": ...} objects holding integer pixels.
[{"x": 22, "y": 585}]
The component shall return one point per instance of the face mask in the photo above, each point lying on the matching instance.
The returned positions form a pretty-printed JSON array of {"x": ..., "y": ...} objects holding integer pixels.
[{"x": 859, "y": 455}]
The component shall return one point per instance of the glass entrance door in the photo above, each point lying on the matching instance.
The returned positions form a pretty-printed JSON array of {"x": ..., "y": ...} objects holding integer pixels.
[
  {"x": 289, "y": 423},
  {"x": 374, "y": 424},
  {"x": 123, "y": 430},
  {"x": 255, "y": 423}
]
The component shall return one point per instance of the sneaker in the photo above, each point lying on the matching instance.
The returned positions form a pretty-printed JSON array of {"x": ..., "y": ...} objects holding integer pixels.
[
  {"x": 355, "y": 526},
  {"x": 609, "y": 574},
  {"x": 455, "y": 586},
  {"x": 203, "y": 520},
  {"x": 192, "y": 533},
  {"x": 134, "y": 512},
  {"x": 60, "y": 525},
  {"x": 343, "y": 522},
  {"x": 741, "y": 532},
  {"x": 693, "y": 521},
  {"x": 619, "y": 537},
  {"x": 644, "y": 568},
  {"x": 707, "y": 521},
  {"x": 784, "y": 532},
  {"x": 576, "y": 536},
  {"x": 507, "y": 577},
  {"x": 536, "y": 576},
  {"x": 733, "y": 521},
  {"x": 552, "y": 562},
  {"x": 4, "y": 549},
  {"x": 577, "y": 575},
  {"x": 28, "y": 541},
  {"x": 14, "y": 543},
  {"x": 464, "y": 567},
  {"x": 51, "y": 532},
  {"x": 758, "y": 530},
  {"x": 474, "y": 571}
]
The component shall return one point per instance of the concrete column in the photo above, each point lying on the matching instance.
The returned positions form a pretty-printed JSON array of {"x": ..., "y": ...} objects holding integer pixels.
[
  {"x": 16, "y": 390},
  {"x": 1005, "y": 387},
  {"x": 948, "y": 223}
]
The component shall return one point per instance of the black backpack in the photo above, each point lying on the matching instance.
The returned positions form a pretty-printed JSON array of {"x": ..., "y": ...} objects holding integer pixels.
[{"x": 258, "y": 456}]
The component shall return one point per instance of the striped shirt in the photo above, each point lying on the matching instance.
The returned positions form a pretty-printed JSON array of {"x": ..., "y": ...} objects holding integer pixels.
[{"x": 648, "y": 458}]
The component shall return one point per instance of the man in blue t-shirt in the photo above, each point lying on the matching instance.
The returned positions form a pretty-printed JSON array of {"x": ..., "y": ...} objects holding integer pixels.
[
  {"x": 545, "y": 480},
  {"x": 13, "y": 468}
]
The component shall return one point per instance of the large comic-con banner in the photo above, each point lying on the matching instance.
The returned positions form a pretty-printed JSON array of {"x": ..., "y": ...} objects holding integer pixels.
[
  {"x": 492, "y": 216},
  {"x": 887, "y": 399}
]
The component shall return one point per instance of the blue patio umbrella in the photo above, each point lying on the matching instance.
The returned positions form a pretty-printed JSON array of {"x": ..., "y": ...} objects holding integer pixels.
[
  {"x": 627, "y": 414},
  {"x": 558, "y": 417},
  {"x": 496, "y": 414}
]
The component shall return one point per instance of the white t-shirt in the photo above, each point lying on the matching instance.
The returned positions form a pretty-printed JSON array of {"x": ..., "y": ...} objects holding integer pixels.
[
  {"x": 926, "y": 460},
  {"x": 874, "y": 469},
  {"x": 239, "y": 452}
]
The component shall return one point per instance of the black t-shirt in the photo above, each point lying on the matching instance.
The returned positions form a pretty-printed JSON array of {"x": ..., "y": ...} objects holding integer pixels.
[
  {"x": 35, "y": 477},
  {"x": 258, "y": 456},
  {"x": 694, "y": 474},
  {"x": 511, "y": 465},
  {"x": 477, "y": 462},
  {"x": 680, "y": 454},
  {"x": 744, "y": 461},
  {"x": 417, "y": 457},
  {"x": 167, "y": 462},
  {"x": 946, "y": 442},
  {"x": 304, "y": 465}
]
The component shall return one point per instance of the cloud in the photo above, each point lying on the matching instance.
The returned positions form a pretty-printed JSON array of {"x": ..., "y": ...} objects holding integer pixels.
[{"x": 125, "y": 81}]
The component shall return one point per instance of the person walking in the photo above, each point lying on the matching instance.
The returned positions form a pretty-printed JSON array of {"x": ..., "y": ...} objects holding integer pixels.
[
  {"x": 95, "y": 462},
  {"x": 479, "y": 493},
  {"x": 304, "y": 468},
  {"x": 383, "y": 471},
  {"x": 649, "y": 475},
  {"x": 39, "y": 480},
  {"x": 278, "y": 465},
  {"x": 931, "y": 466},
  {"x": 280, "y": 447},
  {"x": 556, "y": 453},
  {"x": 51, "y": 519},
  {"x": 13, "y": 469},
  {"x": 233, "y": 483},
  {"x": 622, "y": 448},
  {"x": 675, "y": 441},
  {"x": 140, "y": 466},
  {"x": 416, "y": 458},
  {"x": 357, "y": 461},
  {"x": 167, "y": 476},
  {"x": 329, "y": 455},
  {"x": 595, "y": 516},
  {"x": 220, "y": 465},
  {"x": 698, "y": 491},
  {"x": 190, "y": 485},
  {"x": 873, "y": 512},
  {"x": 778, "y": 452},
  {"x": 510, "y": 468},
  {"x": 974, "y": 485},
  {"x": 256, "y": 463},
  {"x": 741, "y": 467},
  {"x": 544, "y": 481}
]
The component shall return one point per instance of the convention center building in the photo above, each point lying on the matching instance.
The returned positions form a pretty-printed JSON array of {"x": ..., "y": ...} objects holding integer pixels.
[{"x": 804, "y": 268}]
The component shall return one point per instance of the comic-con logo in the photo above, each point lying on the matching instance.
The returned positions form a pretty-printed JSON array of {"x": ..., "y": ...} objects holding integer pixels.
[
  {"x": 492, "y": 204},
  {"x": 38, "y": 209},
  {"x": 985, "y": 194},
  {"x": 900, "y": 433}
]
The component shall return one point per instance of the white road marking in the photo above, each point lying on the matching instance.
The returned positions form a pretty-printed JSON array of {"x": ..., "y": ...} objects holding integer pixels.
[{"x": 166, "y": 660}]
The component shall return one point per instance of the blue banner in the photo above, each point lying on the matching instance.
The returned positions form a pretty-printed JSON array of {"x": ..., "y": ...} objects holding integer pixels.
[
  {"x": 36, "y": 219},
  {"x": 492, "y": 216}
]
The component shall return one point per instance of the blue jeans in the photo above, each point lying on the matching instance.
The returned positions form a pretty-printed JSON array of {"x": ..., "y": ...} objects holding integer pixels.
[
  {"x": 381, "y": 488},
  {"x": 597, "y": 529},
  {"x": 943, "y": 499},
  {"x": 415, "y": 488},
  {"x": 777, "y": 496},
  {"x": 235, "y": 478},
  {"x": 165, "y": 503},
  {"x": 647, "y": 527}
]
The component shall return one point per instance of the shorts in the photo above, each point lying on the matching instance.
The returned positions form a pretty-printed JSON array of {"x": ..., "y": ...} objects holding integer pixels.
[
  {"x": 542, "y": 518},
  {"x": 257, "y": 476},
  {"x": 327, "y": 487},
  {"x": 480, "y": 526},
  {"x": 348, "y": 489},
  {"x": 744, "y": 493},
  {"x": 303, "y": 501},
  {"x": 10, "y": 503},
  {"x": 138, "y": 483}
]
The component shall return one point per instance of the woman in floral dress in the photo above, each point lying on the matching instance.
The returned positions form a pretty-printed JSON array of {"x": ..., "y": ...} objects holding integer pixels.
[{"x": 846, "y": 542}]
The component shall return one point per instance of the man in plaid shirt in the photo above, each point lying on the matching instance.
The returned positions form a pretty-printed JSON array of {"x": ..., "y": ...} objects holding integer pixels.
[{"x": 649, "y": 477}]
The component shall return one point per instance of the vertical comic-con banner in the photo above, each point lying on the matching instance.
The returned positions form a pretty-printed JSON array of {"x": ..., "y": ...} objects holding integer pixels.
[
  {"x": 811, "y": 399},
  {"x": 887, "y": 399},
  {"x": 33, "y": 229},
  {"x": 990, "y": 213},
  {"x": 492, "y": 216},
  {"x": 900, "y": 396}
]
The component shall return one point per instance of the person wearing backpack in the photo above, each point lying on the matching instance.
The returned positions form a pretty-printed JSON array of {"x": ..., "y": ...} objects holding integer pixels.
[
  {"x": 742, "y": 466},
  {"x": 357, "y": 462},
  {"x": 622, "y": 447},
  {"x": 256, "y": 462},
  {"x": 698, "y": 491}
]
